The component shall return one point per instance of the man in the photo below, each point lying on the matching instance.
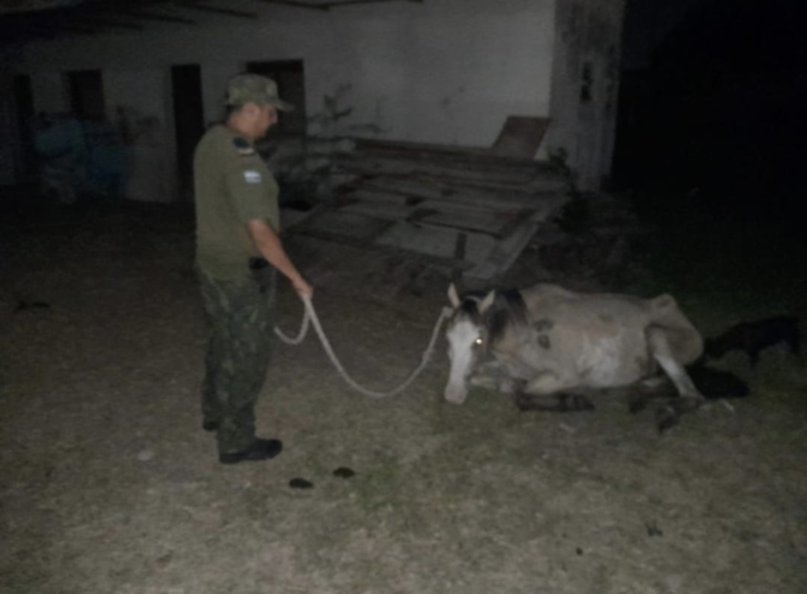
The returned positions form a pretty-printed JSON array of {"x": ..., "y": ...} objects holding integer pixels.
[{"x": 237, "y": 253}]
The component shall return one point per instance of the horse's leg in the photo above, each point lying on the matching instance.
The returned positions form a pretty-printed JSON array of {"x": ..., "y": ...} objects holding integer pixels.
[
  {"x": 661, "y": 352},
  {"x": 689, "y": 398},
  {"x": 486, "y": 376},
  {"x": 647, "y": 389},
  {"x": 494, "y": 375},
  {"x": 545, "y": 392}
]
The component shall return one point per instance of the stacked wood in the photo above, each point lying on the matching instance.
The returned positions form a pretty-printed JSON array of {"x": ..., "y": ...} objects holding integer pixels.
[{"x": 466, "y": 208}]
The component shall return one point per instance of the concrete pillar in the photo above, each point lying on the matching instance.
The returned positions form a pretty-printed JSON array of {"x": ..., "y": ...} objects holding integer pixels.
[{"x": 585, "y": 86}]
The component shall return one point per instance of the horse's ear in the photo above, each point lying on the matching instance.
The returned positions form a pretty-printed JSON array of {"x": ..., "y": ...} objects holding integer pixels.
[
  {"x": 453, "y": 297},
  {"x": 487, "y": 302}
]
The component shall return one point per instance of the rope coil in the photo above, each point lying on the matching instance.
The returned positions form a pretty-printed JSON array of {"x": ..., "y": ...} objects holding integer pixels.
[{"x": 310, "y": 316}]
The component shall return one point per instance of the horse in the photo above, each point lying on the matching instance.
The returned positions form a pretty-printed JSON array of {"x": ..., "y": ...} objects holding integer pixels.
[{"x": 549, "y": 347}]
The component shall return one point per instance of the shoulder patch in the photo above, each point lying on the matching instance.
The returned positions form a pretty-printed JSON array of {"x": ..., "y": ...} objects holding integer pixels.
[
  {"x": 243, "y": 147},
  {"x": 252, "y": 177}
]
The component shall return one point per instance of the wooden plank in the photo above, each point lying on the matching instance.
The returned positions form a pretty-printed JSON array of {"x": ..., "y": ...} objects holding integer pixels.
[
  {"x": 192, "y": 5},
  {"x": 497, "y": 223},
  {"x": 372, "y": 161},
  {"x": 365, "y": 194},
  {"x": 360, "y": 227},
  {"x": 148, "y": 15},
  {"x": 491, "y": 223},
  {"x": 405, "y": 187},
  {"x": 452, "y": 206},
  {"x": 414, "y": 150},
  {"x": 299, "y": 4},
  {"x": 448, "y": 263},
  {"x": 436, "y": 241},
  {"x": 506, "y": 252},
  {"x": 290, "y": 217},
  {"x": 539, "y": 183},
  {"x": 369, "y": 165},
  {"x": 379, "y": 210},
  {"x": 520, "y": 136},
  {"x": 480, "y": 197}
]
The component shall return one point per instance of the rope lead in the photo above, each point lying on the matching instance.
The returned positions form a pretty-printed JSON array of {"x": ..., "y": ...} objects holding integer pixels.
[{"x": 310, "y": 316}]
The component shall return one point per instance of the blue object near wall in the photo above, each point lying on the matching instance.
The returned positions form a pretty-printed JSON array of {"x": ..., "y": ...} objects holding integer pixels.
[{"x": 79, "y": 157}]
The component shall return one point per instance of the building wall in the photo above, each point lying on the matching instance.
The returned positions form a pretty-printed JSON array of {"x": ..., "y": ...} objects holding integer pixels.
[
  {"x": 443, "y": 71},
  {"x": 142, "y": 98}
]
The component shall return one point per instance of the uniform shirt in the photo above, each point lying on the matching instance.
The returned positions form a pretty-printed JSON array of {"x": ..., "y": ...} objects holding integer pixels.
[{"x": 232, "y": 186}]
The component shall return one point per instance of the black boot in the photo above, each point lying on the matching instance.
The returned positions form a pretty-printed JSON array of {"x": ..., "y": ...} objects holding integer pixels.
[{"x": 261, "y": 449}]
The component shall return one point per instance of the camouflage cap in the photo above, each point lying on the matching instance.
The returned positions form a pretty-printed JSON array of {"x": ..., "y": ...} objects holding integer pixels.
[{"x": 246, "y": 88}]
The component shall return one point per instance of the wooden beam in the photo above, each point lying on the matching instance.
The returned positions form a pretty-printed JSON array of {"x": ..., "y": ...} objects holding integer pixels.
[
  {"x": 155, "y": 16},
  {"x": 217, "y": 10},
  {"x": 298, "y": 4},
  {"x": 101, "y": 22},
  {"x": 18, "y": 6},
  {"x": 336, "y": 4},
  {"x": 51, "y": 31},
  {"x": 80, "y": 30}
]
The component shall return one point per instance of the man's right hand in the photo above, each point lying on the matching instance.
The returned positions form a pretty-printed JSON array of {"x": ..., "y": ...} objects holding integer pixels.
[
  {"x": 271, "y": 248},
  {"x": 303, "y": 288}
]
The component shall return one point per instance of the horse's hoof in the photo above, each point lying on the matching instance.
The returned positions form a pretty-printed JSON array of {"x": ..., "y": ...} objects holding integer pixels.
[
  {"x": 573, "y": 402},
  {"x": 636, "y": 405},
  {"x": 638, "y": 401},
  {"x": 511, "y": 387},
  {"x": 525, "y": 402},
  {"x": 690, "y": 403}
]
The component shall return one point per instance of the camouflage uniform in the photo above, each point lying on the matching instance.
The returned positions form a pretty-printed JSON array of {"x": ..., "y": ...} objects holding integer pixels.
[
  {"x": 240, "y": 317},
  {"x": 233, "y": 186}
]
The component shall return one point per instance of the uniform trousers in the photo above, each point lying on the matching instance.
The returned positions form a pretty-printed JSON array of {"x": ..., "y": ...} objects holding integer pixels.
[{"x": 240, "y": 317}]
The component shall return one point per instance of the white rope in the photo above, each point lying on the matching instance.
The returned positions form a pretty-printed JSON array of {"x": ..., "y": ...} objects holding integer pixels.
[{"x": 311, "y": 316}]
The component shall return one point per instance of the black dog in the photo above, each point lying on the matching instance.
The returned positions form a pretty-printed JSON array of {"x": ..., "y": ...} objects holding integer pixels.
[
  {"x": 753, "y": 337},
  {"x": 714, "y": 383}
]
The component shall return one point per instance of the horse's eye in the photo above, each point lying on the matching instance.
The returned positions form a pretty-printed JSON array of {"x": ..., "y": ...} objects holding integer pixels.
[{"x": 479, "y": 341}]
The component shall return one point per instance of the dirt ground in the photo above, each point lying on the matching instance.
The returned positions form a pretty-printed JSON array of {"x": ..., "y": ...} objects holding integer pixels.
[{"x": 109, "y": 485}]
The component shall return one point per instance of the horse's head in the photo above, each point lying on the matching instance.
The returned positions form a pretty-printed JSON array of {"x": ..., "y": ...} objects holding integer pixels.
[{"x": 467, "y": 336}]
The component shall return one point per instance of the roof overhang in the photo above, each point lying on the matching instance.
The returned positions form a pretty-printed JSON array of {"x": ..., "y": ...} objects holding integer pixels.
[{"x": 27, "y": 20}]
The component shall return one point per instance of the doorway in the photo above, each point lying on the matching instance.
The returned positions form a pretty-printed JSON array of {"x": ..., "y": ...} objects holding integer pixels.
[
  {"x": 86, "y": 89},
  {"x": 189, "y": 120}
]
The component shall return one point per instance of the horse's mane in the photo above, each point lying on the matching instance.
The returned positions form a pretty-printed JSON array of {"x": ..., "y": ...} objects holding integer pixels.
[{"x": 508, "y": 307}]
